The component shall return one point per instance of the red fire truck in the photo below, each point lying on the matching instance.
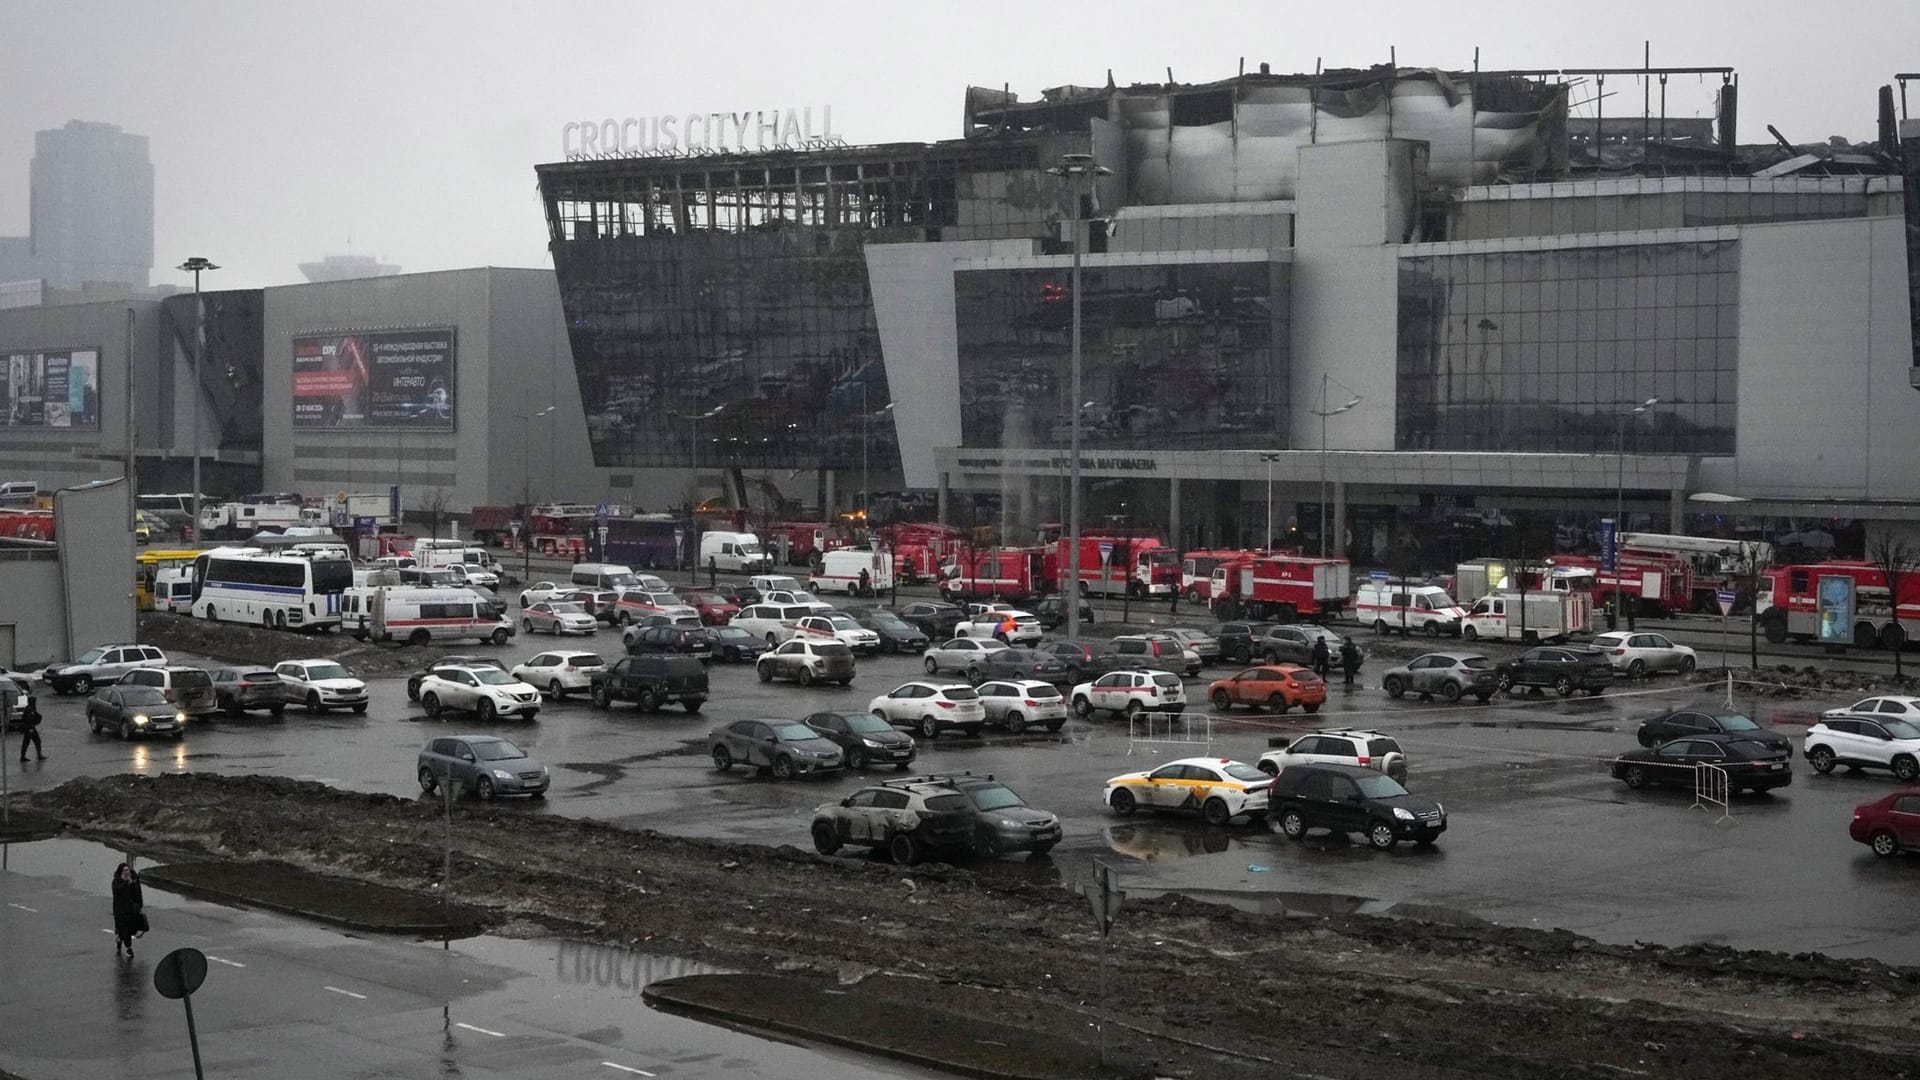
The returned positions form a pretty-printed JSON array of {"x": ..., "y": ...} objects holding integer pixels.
[
  {"x": 1281, "y": 587},
  {"x": 918, "y": 547},
  {"x": 1002, "y": 573},
  {"x": 1653, "y": 581},
  {"x": 26, "y": 524},
  {"x": 1787, "y": 603},
  {"x": 1197, "y": 567},
  {"x": 1135, "y": 565}
]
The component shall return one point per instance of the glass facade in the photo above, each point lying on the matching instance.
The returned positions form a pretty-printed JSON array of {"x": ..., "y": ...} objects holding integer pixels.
[
  {"x": 1174, "y": 356},
  {"x": 1658, "y": 203},
  {"x": 755, "y": 349},
  {"x": 1545, "y": 350}
]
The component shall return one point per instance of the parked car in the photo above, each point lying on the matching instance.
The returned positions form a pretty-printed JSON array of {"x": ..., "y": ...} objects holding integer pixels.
[
  {"x": 134, "y": 712},
  {"x": 713, "y": 607},
  {"x": 1448, "y": 674},
  {"x": 839, "y": 627},
  {"x": 1218, "y": 789},
  {"x": 1749, "y": 763},
  {"x": 1352, "y": 799},
  {"x": 634, "y": 605},
  {"x": 934, "y": 618},
  {"x": 1016, "y": 663},
  {"x": 1052, "y": 612},
  {"x": 696, "y": 642},
  {"x": 956, "y": 654},
  {"x": 993, "y": 626},
  {"x": 736, "y": 646},
  {"x": 1082, "y": 660},
  {"x": 102, "y": 666},
  {"x": 450, "y": 660},
  {"x": 1689, "y": 721},
  {"x": 1237, "y": 640},
  {"x": 1128, "y": 693},
  {"x": 490, "y": 602},
  {"x": 1293, "y": 642},
  {"x": 598, "y": 603},
  {"x": 1003, "y": 823},
  {"x": 1889, "y": 825},
  {"x": 486, "y": 765},
  {"x": 864, "y": 738},
  {"x": 560, "y": 672},
  {"x": 807, "y": 661},
  {"x": 773, "y": 623},
  {"x": 687, "y": 621},
  {"x": 239, "y": 689},
  {"x": 930, "y": 708},
  {"x": 1343, "y": 746},
  {"x": 651, "y": 682},
  {"x": 1642, "y": 652},
  {"x": 909, "y": 818},
  {"x": 1160, "y": 652},
  {"x": 787, "y": 748},
  {"x": 1016, "y": 704},
  {"x": 321, "y": 685},
  {"x": 1878, "y": 741},
  {"x": 1561, "y": 667},
  {"x": 544, "y": 590},
  {"x": 190, "y": 689},
  {"x": 1198, "y": 642},
  {"x": 896, "y": 634},
  {"x": 557, "y": 617},
  {"x": 487, "y": 692},
  {"x": 1273, "y": 686}
]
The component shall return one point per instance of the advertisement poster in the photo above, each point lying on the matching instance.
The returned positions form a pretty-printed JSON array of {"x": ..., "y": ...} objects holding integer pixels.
[
  {"x": 50, "y": 389},
  {"x": 1833, "y": 605},
  {"x": 374, "y": 379}
]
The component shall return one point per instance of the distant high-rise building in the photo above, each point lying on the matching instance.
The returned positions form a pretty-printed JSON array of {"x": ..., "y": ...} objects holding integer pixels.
[
  {"x": 92, "y": 206},
  {"x": 346, "y": 268}
]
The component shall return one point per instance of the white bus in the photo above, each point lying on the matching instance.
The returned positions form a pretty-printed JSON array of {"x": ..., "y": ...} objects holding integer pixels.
[
  {"x": 419, "y": 616},
  {"x": 285, "y": 592}
]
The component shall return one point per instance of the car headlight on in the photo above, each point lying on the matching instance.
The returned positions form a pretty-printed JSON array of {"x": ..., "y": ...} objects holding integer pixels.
[
  {"x": 180, "y": 717},
  {"x": 872, "y": 744},
  {"x": 502, "y": 774},
  {"x": 140, "y": 719},
  {"x": 1403, "y": 813}
]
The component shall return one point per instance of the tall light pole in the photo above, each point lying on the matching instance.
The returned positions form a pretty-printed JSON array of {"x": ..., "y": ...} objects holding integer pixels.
[
  {"x": 1620, "y": 486},
  {"x": 195, "y": 265},
  {"x": 866, "y": 442},
  {"x": 526, "y": 466},
  {"x": 1270, "y": 457},
  {"x": 1323, "y": 412},
  {"x": 1074, "y": 168}
]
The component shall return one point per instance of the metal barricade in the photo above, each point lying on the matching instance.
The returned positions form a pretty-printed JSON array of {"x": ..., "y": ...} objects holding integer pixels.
[
  {"x": 1189, "y": 732},
  {"x": 1710, "y": 789}
]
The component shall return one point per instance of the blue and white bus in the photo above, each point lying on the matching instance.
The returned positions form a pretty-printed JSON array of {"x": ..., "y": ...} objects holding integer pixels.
[{"x": 286, "y": 592}]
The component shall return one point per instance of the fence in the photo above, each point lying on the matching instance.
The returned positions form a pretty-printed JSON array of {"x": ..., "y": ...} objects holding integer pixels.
[
  {"x": 1151, "y": 731},
  {"x": 1710, "y": 789}
]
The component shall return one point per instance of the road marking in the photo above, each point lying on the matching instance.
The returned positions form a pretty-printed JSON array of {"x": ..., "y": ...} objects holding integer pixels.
[
  {"x": 481, "y": 1030},
  {"x": 24, "y": 907},
  {"x": 106, "y": 930},
  {"x": 348, "y": 993},
  {"x": 223, "y": 960},
  {"x": 625, "y": 1068}
]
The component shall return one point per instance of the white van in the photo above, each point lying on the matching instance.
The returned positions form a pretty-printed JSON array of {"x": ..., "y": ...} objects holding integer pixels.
[
  {"x": 173, "y": 589},
  {"x": 1391, "y": 605},
  {"x": 734, "y": 552},
  {"x": 854, "y": 571},
  {"x": 593, "y": 575},
  {"x": 419, "y": 616},
  {"x": 767, "y": 583},
  {"x": 437, "y": 551}
]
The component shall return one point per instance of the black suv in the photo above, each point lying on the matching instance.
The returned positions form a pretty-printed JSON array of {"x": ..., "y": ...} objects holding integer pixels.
[
  {"x": 1353, "y": 799},
  {"x": 673, "y": 640},
  {"x": 897, "y": 635},
  {"x": 652, "y": 681},
  {"x": 934, "y": 618},
  {"x": 1052, "y": 612},
  {"x": 1237, "y": 639},
  {"x": 1563, "y": 668}
]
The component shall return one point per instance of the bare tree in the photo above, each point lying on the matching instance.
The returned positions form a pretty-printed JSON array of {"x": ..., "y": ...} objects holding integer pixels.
[
  {"x": 1753, "y": 565},
  {"x": 1896, "y": 559},
  {"x": 433, "y": 506}
]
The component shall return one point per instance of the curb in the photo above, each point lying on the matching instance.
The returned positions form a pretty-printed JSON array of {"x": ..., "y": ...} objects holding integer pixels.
[{"x": 158, "y": 876}]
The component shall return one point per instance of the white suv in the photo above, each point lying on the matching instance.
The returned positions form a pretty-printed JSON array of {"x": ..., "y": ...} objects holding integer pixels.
[
  {"x": 101, "y": 667},
  {"x": 841, "y": 628},
  {"x": 1369, "y": 749},
  {"x": 321, "y": 685},
  {"x": 1636, "y": 653},
  {"x": 487, "y": 692},
  {"x": 1877, "y": 733},
  {"x": 1130, "y": 692}
]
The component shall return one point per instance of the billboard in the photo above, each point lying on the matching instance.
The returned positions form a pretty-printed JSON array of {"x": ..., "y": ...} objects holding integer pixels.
[
  {"x": 57, "y": 389},
  {"x": 374, "y": 379}
]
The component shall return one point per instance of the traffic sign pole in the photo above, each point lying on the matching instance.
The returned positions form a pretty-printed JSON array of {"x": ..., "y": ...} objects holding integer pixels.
[{"x": 1725, "y": 599}]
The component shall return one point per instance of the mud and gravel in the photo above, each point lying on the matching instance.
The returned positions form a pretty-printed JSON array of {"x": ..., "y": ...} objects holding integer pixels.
[
  {"x": 1200, "y": 990},
  {"x": 253, "y": 645}
]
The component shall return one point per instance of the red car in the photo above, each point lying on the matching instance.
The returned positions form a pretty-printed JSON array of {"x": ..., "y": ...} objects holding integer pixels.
[
  {"x": 1890, "y": 825},
  {"x": 714, "y": 608}
]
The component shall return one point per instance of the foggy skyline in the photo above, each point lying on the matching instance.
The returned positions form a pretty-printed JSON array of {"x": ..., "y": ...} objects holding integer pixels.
[{"x": 283, "y": 133}]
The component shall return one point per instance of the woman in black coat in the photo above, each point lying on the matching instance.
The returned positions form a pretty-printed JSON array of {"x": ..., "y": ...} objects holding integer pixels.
[{"x": 128, "y": 919}]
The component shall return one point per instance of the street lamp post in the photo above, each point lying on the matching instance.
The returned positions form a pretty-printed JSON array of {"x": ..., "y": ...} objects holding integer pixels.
[
  {"x": 526, "y": 489},
  {"x": 1323, "y": 412},
  {"x": 1620, "y": 489},
  {"x": 693, "y": 501},
  {"x": 1074, "y": 168},
  {"x": 195, "y": 266},
  {"x": 1270, "y": 457},
  {"x": 866, "y": 446}
]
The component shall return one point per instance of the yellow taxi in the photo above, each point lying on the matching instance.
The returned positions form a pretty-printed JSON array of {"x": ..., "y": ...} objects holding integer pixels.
[{"x": 1218, "y": 789}]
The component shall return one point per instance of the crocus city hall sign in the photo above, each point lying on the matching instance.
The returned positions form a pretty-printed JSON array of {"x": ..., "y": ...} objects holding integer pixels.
[{"x": 699, "y": 133}]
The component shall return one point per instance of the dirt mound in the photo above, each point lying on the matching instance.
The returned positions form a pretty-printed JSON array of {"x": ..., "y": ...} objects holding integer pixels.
[
  {"x": 242, "y": 644},
  {"x": 1198, "y": 987}
]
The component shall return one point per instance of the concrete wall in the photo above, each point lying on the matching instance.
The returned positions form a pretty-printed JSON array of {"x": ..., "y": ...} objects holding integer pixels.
[
  {"x": 55, "y": 603},
  {"x": 531, "y": 367},
  {"x": 32, "y": 617},
  {"x": 58, "y": 457}
]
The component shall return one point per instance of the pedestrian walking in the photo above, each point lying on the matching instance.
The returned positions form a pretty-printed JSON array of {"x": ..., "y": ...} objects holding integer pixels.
[
  {"x": 129, "y": 904},
  {"x": 28, "y": 721},
  {"x": 1322, "y": 658},
  {"x": 1349, "y": 661}
]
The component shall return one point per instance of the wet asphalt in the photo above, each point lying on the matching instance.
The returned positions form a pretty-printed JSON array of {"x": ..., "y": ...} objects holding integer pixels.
[{"x": 1539, "y": 834}]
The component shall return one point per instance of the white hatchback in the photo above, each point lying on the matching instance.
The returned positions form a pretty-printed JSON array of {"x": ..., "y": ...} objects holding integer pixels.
[
  {"x": 931, "y": 708},
  {"x": 560, "y": 673},
  {"x": 1640, "y": 652},
  {"x": 1129, "y": 693}
]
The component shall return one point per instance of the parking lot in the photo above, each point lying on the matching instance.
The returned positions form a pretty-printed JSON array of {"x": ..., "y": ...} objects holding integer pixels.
[{"x": 1539, "y": 834}]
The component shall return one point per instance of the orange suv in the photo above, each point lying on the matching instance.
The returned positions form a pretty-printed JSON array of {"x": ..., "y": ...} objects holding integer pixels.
[{"x": 1277, "y": 686}]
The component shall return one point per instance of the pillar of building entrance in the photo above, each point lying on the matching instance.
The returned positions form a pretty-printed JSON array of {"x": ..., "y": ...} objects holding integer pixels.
[
  {"x": 1173, "y": 513},
  {"x": 1337, "y": 526},
  {"x": 1677, "y": 511},
  {"x": 940, "y": 499}
]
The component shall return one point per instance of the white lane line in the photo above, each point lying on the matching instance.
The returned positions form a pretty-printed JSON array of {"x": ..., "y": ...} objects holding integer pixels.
[
  {"x": 348, "y": 993},
  {"x": 625, "y": 1068},
  {"x": 224, "y": 960},
  {"x": 106, "y": 929},
  {"x": 481, "y": 1030},
  {"x": 24, "y": 907}
]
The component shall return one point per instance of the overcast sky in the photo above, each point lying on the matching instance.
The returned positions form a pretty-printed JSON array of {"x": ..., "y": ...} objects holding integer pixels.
[{"x": 282, "y": 132}]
